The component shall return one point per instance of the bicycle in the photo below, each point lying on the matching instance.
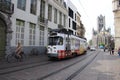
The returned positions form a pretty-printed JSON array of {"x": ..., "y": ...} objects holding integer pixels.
[{"x": 14, "y": 58}]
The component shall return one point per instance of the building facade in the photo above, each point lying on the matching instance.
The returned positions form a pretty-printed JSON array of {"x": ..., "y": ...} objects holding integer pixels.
[
  {"x": 94, "y": 38},
  {"x": 72, "y": 16},
  {"x": 80, "y": 27},
  {"x": 6, "y": 11},
  {"x": 30, "y": 21},
  {"x": 78, "y": 22},
  {"x": 116, "y": 11}
]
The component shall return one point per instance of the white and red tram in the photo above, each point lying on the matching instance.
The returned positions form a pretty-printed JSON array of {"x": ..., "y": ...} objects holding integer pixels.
[{"x": 62, "y": 45}]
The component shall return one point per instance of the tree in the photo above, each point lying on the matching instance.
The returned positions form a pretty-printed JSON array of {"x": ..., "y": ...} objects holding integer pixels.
[{"x": 90, "y": 42}]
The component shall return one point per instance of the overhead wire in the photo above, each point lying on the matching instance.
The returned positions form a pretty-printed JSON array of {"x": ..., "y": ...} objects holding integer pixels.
[{"x": 85, "y": 12}]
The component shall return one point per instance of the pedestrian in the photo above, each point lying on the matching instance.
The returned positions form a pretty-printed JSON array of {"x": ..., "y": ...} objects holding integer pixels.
[
  {"x": 112, "y": 45},
  {"x": 113, "y": 51},
  {"x": 119, "y": 51},
  {"x": 105, "y": 47},
  {"x": 18, "y": 50},
  {"x": 110, "y": 49}
]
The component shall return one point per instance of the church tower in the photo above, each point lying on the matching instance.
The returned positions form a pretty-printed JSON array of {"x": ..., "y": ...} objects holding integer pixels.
[{"x": 101, "y": 23}]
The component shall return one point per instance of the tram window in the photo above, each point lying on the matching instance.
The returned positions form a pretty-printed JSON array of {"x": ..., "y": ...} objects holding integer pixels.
[
  {"x": 55, "y": 40},
  {"x": 60, "y": 41}
]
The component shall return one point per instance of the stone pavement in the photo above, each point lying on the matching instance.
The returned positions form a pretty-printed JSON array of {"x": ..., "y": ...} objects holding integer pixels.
[{"x": 104, "y": 67}]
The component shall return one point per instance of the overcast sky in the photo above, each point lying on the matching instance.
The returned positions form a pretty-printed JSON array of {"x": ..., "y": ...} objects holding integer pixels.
[{"x": 90, "y": 10}]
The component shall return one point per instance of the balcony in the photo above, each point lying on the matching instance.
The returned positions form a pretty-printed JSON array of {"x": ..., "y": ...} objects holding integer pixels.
[
  {"x": 42, "y": 20},
  {"x": 60, "y": 26},
  {"x": 6, "y": 7}
]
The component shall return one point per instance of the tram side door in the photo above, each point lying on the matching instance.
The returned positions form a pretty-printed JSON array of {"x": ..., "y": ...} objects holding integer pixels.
[{"x": 68, "y": 45}]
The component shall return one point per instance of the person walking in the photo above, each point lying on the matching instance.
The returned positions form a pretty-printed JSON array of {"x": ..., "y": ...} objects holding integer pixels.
[
  {"x": 105, "y": 47},
  {"x": 112, "y": 45},
  {"x": 119, "y": 51},
  {"x": 18, "y": 50}
]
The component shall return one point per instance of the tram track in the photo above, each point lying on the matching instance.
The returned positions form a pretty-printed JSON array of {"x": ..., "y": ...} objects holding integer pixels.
[
  {"x": 22, "y": 64},
  {"x": 23, "y": 67},
  {"x": 81, "y": 68},
  {"x": 59, "y": 70},
  {"x": 16, "y": 68},
  {"x": 19, "y": 67}
]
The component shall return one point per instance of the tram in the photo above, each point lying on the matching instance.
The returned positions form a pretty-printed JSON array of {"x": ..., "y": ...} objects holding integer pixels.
[{"x": 62, "y": 44}]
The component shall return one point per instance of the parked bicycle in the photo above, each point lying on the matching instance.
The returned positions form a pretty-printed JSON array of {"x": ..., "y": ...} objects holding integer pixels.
[{"x": 15, "y": 58}]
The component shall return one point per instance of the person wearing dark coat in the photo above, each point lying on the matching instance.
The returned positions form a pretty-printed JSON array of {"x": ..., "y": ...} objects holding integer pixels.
[{"x": 112, "y": 45}]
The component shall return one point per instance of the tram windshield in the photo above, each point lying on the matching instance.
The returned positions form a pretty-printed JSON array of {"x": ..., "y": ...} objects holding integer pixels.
[{"x": 55, "y": 40}]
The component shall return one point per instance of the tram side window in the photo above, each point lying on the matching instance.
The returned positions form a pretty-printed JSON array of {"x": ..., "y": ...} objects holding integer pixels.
[{"x": 60, "y": 41}]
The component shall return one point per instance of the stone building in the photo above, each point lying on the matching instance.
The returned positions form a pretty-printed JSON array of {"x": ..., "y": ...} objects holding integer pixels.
[
  {"x": 116, "y": 11},
  {"x": 6, "y": 12}
]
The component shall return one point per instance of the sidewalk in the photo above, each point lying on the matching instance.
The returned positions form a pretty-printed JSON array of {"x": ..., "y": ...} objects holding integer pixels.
[{"x": 104, "y": 67}]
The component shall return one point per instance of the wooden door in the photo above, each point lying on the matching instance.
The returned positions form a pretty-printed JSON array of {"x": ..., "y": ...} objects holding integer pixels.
[{"x": 2, "y": 38}]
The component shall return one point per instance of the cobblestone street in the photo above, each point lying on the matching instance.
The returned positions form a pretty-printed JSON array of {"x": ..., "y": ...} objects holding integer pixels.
[{"x": 103, "y": 67}]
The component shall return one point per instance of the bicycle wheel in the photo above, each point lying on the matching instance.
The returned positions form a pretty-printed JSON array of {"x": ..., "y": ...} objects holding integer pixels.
[
  {"x": 23, "y": 56},
  {"x": 11, "y": 58}
]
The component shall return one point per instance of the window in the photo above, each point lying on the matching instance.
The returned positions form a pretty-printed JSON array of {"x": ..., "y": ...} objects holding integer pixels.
[
  {"x": 49, "y": 12},
  {"x": 20, "y": 31},
  {"x": 64, "y": 20},
  {"x": 42, "y": 9},
  {"x": 41, "y": 38},
  {"x": 64, "y": 3},
  {"x": 75, "y": 16},
  {"x": 55, "y": 15},
  {"x": 70, "y": 12},
  {"x": 73, "y": 25},
  {"x": 21, "y": 4},
  {"x": 32, "y": 34},
  {"x": 69, "y": 22},
  {"x": 61, "y": 1},
  {"x": 60, "y": 18},
  {"x": 33, "y": 6}
]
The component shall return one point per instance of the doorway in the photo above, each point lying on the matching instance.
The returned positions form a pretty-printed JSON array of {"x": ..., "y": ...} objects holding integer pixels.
[{"x": 2, "y": 38}]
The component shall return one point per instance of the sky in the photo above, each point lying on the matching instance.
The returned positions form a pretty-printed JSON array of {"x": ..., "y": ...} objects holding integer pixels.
[{"x": 90, "y": 10}]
